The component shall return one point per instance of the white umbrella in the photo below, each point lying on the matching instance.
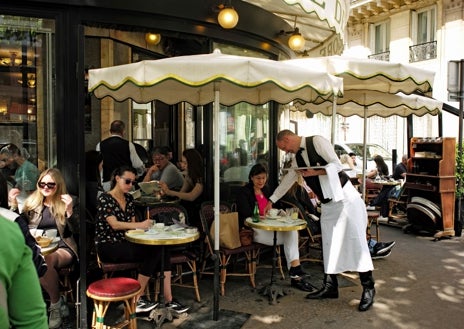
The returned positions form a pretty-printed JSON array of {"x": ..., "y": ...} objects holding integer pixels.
[
  {"x": 360, "y": 75},
  {"x": 218, "y": 78},
  {"x": 371, "y": 74},
  {"x": 372, "y": 86},
  {"x": 372, "y": 103}
]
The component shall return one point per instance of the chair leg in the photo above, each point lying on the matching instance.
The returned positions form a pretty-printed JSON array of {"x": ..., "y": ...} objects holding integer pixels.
[
  {"x": 279, "y": 262},
  {"x": 223, "y": 274},
  {"x": 252, "y": 266},
  {"x": 129, "y": 313}
]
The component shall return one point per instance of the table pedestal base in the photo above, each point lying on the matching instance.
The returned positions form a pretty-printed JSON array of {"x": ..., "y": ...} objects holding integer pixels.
[
  {"x": 273, "y": 291},
  {"x": 159, "y": 315}
]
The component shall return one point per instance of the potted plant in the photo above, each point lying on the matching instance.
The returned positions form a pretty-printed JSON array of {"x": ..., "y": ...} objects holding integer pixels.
[{"x": 459, "y": 218}]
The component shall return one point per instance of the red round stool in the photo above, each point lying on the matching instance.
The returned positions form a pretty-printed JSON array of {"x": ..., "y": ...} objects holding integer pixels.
[{"x": 105, "y": 291}]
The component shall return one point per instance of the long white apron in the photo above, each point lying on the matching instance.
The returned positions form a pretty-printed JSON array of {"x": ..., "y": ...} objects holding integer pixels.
[{"x": 344, "y": 241}]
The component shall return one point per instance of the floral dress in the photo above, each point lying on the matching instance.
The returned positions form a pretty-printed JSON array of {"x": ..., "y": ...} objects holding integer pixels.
[{"x": 108, "y": 206}]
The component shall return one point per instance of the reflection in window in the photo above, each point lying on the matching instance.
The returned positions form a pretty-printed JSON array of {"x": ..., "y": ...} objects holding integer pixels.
[
  {"x": 25, "y": 97},
  {"x": 243, "y": 140}
]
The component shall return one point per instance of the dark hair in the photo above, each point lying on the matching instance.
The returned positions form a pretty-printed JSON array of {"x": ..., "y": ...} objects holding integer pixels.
[
  {"x": 257, "y": 169},
  {"x": 352, "y": 154},
  {"x": 195, "y": 168},
  {"x": 117, "y": 126},
  {"x": 10, "y": 149},
  {"x": 382, "y": 167},
  {"x": 119, "y": 172},
  {"x": 164, "y": 150}
]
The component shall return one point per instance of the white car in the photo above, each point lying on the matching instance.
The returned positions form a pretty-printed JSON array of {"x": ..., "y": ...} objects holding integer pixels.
[{"x": 372, "y": 150}]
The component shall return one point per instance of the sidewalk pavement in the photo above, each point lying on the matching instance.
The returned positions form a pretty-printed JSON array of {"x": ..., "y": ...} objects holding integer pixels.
[{"x": 420, "y": 285}]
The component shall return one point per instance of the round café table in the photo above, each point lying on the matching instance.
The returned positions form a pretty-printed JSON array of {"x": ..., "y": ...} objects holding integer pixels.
[
  {"x": 161, "y": 237},
  {"x": 274, "y": 290}
]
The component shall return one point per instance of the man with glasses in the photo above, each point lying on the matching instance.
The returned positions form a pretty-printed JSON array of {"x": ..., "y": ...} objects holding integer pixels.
[
  {"x": 164, "y": 170},
  {"x": 117, "y": 152},
  {"x": 25, "y": 176}
]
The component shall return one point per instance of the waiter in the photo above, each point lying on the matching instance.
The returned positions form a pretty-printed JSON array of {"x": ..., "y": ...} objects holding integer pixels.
[{"x": 343, "y": 213}]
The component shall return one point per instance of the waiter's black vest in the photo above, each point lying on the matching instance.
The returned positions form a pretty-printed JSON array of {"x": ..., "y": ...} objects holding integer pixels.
[
  {"x": 316, "y": 160},
  {"x": 115, "y": 153}
]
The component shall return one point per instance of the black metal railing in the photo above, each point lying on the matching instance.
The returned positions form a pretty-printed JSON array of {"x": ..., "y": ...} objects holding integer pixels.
[
  {"x": 385, "y": 56},
  {"x": 423, "y": 51}
]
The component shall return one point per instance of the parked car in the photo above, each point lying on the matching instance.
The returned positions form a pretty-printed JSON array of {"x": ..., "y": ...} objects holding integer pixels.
[{"x": 371, "y": 149}]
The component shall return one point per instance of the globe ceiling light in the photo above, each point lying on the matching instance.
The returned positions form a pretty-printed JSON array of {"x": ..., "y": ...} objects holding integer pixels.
[
  {"x": 153, "y": 38},
  {"x": 227, "y": 17},
  {"x": 296, "y": 42}
]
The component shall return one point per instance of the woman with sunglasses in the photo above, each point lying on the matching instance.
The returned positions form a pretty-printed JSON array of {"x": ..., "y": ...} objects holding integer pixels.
[
  {"x": 51, "y": 207},
  {"x": 116, "y": 215}
]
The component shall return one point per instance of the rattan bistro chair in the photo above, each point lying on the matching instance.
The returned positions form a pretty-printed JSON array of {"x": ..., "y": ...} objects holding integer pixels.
[
  {"x": 181, "y": 256},
  {"x": 226, "y": 255},
  {"x": 310, "y": 239}
]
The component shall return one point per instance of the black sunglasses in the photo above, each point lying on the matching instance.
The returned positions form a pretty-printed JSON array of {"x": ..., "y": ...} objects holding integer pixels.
[
  {"x": 129, "y": 181},
  {"x": 48, "y": 185}
]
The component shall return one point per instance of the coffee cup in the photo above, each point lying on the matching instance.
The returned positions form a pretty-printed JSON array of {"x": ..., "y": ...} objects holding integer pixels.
[
  {"x": 36, "y": 232},
  {"x": 51, "y": 233},
  {"x": 159, "y": 226},
  {"x": 273, "y": 212}
]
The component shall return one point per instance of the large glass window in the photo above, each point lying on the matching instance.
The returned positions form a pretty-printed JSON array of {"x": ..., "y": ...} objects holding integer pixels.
[
  {"x": 25, "y": 88},
  {"x": 424, "y": 25},
  {"x": 243, "y": 140},
  {"x": 380, "y": 37}
]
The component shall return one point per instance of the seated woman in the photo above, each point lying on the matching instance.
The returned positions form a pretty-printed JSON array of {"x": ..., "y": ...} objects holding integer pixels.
[
  {"x": 116, "y": 215},
  {"x": 257, "y": 191},
  {"x": 191, "y": 193},
  {"x": 381, "y": 200},
  {"x": 50, "y": 207},
  {"x": 164, "y": 170}
]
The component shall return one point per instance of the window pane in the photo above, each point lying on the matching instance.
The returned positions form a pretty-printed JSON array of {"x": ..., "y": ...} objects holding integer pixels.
[
  {"x": 243, "y": 140},
  {"x": 26, "y": 117}
]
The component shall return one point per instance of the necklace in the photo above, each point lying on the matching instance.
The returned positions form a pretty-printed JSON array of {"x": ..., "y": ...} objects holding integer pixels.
[{"x": 119, "y": 198}]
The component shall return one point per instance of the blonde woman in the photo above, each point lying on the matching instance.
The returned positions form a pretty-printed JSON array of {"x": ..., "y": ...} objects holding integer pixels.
[{"x": 51, "y": 207}]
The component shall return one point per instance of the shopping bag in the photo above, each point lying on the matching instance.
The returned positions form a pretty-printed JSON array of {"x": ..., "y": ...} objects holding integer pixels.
[{"x": 228, "y": 230}]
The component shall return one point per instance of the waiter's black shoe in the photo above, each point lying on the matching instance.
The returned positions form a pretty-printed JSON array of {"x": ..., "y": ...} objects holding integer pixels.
[
  {"x": 327, "y": 291},
  {"x": 329, "y": 288},
  {"x": 367, "y": 299},
  {"x": 303, "y": 285}
]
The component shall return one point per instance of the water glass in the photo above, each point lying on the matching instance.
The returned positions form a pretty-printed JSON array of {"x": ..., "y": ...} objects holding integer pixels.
[
  {"x": 295, "y": 213},
  {"x": 289, "y": 212}
]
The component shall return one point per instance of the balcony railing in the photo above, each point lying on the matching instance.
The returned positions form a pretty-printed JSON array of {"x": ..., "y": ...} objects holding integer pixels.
[
  {"x": 385, "y": 56},
  {"x": 423, "y": 51}
]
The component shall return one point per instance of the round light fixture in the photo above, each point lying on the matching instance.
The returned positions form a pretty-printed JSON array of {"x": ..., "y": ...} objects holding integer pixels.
[
  {"x": 228, "y": 18},
  {"x": 296, "y": 42},
  {"x": 153, "y": 38}
]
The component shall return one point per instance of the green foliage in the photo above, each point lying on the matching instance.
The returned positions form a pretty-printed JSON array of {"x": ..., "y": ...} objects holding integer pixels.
[{"x": 459, "y": 173}]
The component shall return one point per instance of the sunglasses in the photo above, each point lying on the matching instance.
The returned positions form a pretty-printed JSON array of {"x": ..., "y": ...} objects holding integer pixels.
[
  {"x": 48, "y": 185},
  {"x": 129, "y": 181}
]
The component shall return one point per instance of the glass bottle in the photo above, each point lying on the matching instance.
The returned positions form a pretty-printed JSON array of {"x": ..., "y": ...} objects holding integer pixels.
[{"x": 256, "y": 213}]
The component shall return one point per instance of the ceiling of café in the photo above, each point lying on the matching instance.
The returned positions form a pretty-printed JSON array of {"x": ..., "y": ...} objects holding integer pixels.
[{"x": 320, "y": 22}]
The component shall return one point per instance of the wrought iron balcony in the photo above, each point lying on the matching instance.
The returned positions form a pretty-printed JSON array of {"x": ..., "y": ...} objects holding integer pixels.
[
  {"x": 423, "y": 51},
  {"x": 385, "y": 56}
]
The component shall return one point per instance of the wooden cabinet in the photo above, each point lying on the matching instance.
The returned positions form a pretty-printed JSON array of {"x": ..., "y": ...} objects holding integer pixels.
[{"x": 431, "y": 181}]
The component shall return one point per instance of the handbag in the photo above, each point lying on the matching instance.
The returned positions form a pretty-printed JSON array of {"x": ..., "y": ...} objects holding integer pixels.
[
  {"x": 229, "y": 236},
  {"x": 246, "y": 236}
]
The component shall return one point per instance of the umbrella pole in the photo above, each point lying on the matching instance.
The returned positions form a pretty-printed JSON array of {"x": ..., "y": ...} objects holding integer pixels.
[
  {"x": 364, "y": 155},
  {"x": 216, "y": 202},
  {"x": 334, "y": 113}
]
